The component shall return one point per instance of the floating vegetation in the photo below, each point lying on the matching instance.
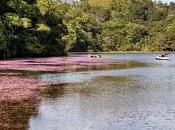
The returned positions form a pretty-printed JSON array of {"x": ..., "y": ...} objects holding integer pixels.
[
  {"x": 56, "y": 64},
  {"x": 16, "y": 78},
  {"x": 17, "y": 88}
]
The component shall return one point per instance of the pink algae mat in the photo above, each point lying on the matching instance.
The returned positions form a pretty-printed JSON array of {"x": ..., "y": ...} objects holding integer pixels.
[{"x": 15, "y": 87}]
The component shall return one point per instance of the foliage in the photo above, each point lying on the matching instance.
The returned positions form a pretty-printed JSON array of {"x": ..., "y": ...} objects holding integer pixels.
[
  {"x": 53, "y": 27},
  {"x": 26, "y": 32},
  {"x": 119, "y": 25}
]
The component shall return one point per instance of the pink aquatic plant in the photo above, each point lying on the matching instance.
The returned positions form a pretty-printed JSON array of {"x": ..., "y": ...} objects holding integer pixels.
[
  {"x": 55, "y": 64},
  {"x": 15, "y": 87}
]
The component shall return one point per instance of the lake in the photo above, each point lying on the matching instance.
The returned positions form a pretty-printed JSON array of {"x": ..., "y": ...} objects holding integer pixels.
[{"x": 136, "y": 96}]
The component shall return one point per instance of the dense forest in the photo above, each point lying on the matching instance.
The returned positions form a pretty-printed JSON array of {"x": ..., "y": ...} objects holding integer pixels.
[{"x": 32, "y": 28}]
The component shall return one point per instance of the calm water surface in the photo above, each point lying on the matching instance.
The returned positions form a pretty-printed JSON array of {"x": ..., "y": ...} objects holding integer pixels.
[{"x": 133, "y": 97}]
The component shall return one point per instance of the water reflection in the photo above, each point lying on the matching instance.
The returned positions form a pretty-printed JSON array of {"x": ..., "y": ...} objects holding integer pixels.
[
  {"x": 85, "y": 75},
  {"x": 87, "y": 88},
  {"x": 75, "y": 105},
  {"x": 136, "y": 97},
  {"x": 107, "y": 103},
  {"x": 139, "y": 98}
]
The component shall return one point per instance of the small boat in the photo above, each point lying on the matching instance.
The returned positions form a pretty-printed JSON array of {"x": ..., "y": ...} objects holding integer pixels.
[
  {"x": 162, "y": 57},
  {"x": 94, "y": 56}
]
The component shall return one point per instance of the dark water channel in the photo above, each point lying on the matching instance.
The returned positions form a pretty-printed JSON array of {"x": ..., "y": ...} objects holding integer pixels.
[{"x": 138, "y": 96}]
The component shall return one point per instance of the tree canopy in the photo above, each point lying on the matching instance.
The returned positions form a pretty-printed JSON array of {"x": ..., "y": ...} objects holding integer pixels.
[
  {"x": 31, "y": 28},
  {"x": 120, "y": 25},
  {"x": 26, "y": 32}
]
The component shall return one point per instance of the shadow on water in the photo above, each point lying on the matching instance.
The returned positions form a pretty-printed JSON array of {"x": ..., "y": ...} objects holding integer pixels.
[
  {"x": 85, "y": 74},
  {"x": 86, "y": 88},
  {"x": 124, "y": 65},
  {"x": 53, "y": 91}
]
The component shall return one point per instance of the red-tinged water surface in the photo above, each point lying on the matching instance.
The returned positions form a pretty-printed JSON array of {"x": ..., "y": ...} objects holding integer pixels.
[
  {"x": 56, "y": 64},
  {"x": 20, "y": 93},
  {"x": 115, "y": 92},
  {"x": 15, "y": 86}
]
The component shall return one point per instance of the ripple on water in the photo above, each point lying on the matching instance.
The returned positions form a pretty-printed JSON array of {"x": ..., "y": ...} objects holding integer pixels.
[{"x": 131, "y": 98}]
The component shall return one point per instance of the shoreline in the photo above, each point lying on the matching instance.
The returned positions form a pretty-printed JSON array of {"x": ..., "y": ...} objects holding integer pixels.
[
  {"x": 88, "y": 53},
  {"x": 123, "y": 52}
]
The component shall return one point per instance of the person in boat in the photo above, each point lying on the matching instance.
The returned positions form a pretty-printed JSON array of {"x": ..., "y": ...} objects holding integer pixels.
[
  {"x": 95, "y": 56},
  {"x": 164, "y": 55}
]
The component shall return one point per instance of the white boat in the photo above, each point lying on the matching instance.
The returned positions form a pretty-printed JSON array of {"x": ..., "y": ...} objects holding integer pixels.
[{"x": 162, "y": 58}]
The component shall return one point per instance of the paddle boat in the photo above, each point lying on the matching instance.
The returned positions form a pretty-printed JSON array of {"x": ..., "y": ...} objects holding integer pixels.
[
  {"x": 162, "y": 57},
  {"x": 95, "y": 56}
]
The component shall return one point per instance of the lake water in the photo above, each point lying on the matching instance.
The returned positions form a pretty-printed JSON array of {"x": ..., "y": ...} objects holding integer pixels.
[{"x": 136, "y": 96}]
